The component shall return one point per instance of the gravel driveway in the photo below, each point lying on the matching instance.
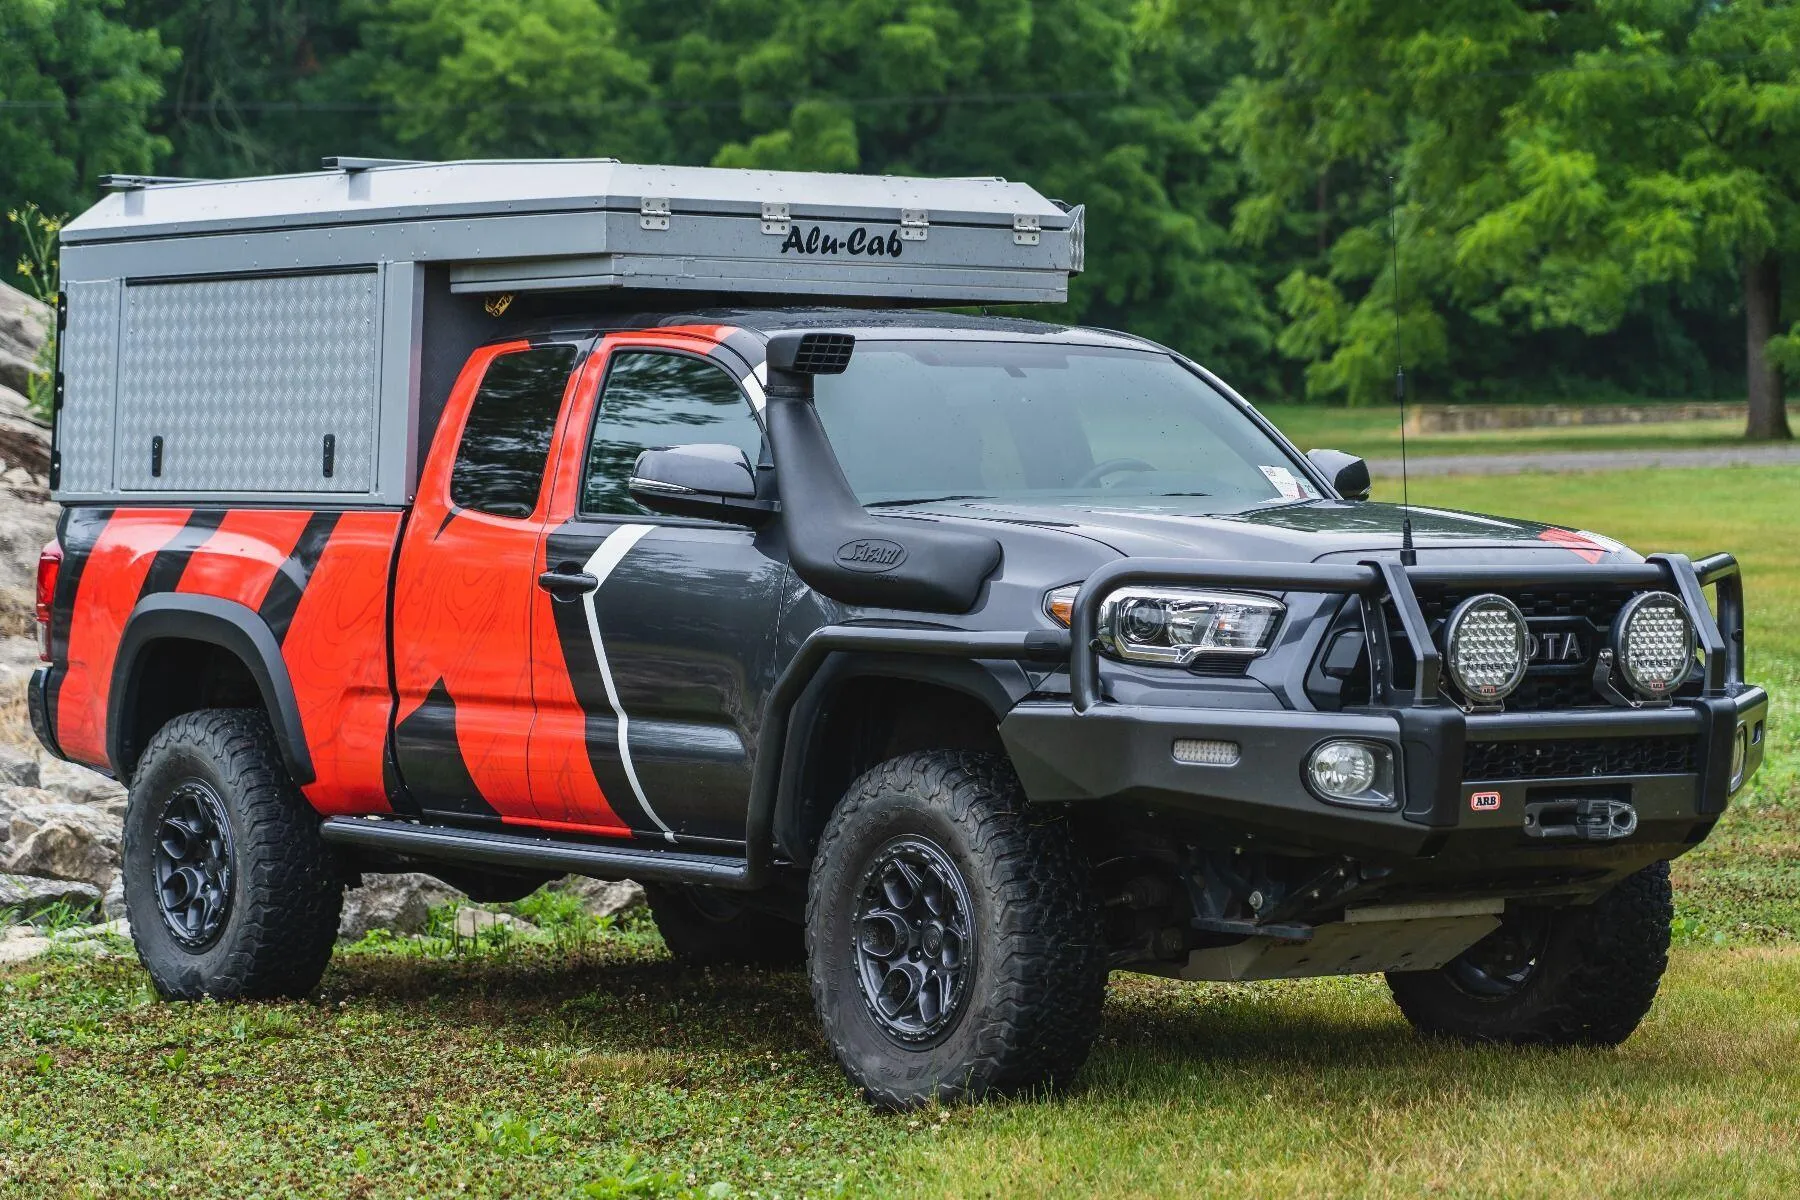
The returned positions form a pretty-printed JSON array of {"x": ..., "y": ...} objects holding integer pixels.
[{"x": 1607, "y": 460}]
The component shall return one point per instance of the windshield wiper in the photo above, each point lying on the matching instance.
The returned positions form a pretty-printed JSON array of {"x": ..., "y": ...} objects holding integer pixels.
[{"x": 921, "y": 500}]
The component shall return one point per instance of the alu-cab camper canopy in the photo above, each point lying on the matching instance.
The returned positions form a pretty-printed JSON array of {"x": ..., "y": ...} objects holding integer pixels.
[{"x": 273, "y": 340}]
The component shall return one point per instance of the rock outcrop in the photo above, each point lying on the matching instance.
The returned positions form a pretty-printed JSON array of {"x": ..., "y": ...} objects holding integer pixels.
[
  {"x": 400, "y": 903},
  {"x": 60, "y": 824},
  {"x": 24, "y": 323}
]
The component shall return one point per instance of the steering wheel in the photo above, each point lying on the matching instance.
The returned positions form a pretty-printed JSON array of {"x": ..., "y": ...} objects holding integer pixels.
[{"x": 1112, "y": 466}]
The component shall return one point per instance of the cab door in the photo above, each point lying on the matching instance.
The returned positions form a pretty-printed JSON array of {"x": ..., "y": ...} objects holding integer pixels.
[
  {"x": 466, "y": 600},
  {"x": 665, "y": 626}
]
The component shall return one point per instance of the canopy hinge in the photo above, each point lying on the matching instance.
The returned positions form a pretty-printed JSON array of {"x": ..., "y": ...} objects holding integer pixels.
[
  {"x": 915, "y": 224},
  {"x": 1025, "y": 229},
  {"x": 774, "y": 218},
  {"x": 655, "y": 213}
]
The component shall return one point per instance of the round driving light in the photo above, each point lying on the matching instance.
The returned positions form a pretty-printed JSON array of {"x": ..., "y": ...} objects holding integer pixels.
[
  {"x": 1653, "y": 643},
  {"x": 1484, "y": 648},
  {"x": 1360, "y": 774}
]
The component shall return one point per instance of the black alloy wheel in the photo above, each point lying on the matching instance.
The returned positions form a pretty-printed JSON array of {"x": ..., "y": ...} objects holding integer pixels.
[
  {"x": 914, "y": 952},
  {"x": 1501, "y": 964},
  {"x": 193, "y": 862}
]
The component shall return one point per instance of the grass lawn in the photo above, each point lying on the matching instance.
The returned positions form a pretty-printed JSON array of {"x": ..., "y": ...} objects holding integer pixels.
[
  {"x": 596, "y": 1067},
  {"x": 1375, "y": 433}
]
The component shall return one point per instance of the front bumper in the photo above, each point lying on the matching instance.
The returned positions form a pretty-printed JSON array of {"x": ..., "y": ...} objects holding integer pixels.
[
  {"x": 1125, "y": 754},
  {"x": 1671, "y": 765}
]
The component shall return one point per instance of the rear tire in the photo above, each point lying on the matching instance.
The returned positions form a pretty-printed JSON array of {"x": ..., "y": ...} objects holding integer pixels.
[
  {"x": 1553, "y": 977},
  {"x": 953, "y": 947},
  {"x": 707, "y": 926},
  {"x": 230, "y": 890}
]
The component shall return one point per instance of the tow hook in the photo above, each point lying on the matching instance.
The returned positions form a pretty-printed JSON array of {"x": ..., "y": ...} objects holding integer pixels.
[{"x": 1590, "y": 820}]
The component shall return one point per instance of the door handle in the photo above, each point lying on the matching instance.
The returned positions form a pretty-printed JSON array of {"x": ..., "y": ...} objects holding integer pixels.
[{"x": 567, "y": 585}]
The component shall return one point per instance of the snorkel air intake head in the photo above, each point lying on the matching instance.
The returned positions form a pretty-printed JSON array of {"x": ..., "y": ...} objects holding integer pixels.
[
  {"x": 793, "y": 359},
  {"x": 834, "y": 545}
]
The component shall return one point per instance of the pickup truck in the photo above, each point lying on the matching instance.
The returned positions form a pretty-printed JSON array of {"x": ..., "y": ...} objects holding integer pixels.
[{"x": 963, "y": 659}]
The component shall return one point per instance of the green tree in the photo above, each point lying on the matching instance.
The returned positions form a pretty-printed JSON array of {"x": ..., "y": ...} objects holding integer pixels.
[
  {"x": 503, "y": 78},
  {"x": 77, "y": 87},
  {"x": 254, "y": 93},
  {"x": 1599, "y": 169},
  {"x": 1664, "y": 154}
]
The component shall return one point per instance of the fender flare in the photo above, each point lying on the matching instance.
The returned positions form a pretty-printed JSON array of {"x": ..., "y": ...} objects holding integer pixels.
[
  {"x": 223, "y": 623},
  {"x": 996, "y": 686}
]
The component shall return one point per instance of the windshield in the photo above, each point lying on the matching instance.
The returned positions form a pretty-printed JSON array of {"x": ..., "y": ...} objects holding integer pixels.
[{"x": 1042, "y": 423}]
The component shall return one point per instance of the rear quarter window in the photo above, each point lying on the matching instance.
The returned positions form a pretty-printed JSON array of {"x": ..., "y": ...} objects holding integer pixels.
[{"x": 505, "y": 444}]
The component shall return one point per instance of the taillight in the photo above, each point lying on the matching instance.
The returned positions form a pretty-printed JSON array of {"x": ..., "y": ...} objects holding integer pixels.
[{"x": 49, "y": 566}]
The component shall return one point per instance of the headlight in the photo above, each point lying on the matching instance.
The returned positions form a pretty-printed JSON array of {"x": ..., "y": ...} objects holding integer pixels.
[
  {"x": 1173, "y": 625},
  {"x": 1484, "y": 648},
  {"x": 1653, "y": 643},
  {"x": 1358, "y": 774}
]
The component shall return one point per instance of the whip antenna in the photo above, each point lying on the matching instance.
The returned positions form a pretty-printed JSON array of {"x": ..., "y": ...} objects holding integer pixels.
[{"x": 1409, "y": 557}]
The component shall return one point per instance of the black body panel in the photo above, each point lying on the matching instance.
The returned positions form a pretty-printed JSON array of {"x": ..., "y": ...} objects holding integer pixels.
[{"x": 686, "y": 621}]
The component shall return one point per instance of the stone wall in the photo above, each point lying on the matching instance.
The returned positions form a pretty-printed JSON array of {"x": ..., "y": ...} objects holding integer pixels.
[{"x": 1481, "y": 418}]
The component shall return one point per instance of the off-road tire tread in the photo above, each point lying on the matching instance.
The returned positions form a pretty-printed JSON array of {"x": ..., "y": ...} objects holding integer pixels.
[
  {"x": 284, "y": 916},
  {"x": 1603, "y": 967},
  {"x": 1050, "y": 981}
]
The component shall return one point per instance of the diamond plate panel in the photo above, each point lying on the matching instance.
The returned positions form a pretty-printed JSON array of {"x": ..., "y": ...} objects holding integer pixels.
[
  {"x": 84, "y": 427},
  {"x": 244, "y": 378}
]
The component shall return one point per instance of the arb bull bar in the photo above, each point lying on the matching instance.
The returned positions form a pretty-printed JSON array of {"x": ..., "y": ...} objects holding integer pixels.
[
  {"x": 1093, "y": 748},
  {"x": 1721, "y": 639}
]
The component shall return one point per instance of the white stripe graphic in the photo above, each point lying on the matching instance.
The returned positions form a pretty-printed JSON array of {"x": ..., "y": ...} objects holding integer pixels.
[{"x": 604, "y": 560}]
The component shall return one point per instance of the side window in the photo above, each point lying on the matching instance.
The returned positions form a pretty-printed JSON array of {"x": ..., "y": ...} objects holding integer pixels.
[
  {"x": 653, "y": 400},
  {"x": 506, "y": 443}
]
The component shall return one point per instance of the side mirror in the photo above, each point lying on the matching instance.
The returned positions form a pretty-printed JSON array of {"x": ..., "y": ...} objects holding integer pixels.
[
  {"x": 1349, "y": 474},
  {"x": 710, "y": 481}
]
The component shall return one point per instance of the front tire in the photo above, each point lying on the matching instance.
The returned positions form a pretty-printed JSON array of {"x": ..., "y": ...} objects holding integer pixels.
[
  {"x": 953, "y": 947},
  {"x": 229, "y": 888},
  {"x": 1553, "y": 977}
]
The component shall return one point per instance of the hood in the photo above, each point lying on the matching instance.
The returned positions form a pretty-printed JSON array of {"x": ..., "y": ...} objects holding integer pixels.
[{"x": 1306, "y": 531}]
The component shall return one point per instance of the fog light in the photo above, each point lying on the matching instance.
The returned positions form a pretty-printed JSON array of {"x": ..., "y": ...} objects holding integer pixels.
[
  {"x": 1359, "y": 774},
  {"x": 1740, "y": 756},
  {"x": 1205, "y": 753}
]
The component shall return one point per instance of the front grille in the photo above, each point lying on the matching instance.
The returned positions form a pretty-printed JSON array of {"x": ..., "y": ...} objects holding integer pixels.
[
  {"x": 1578, "y": 757},
  {"x": 1562, "y": 682},
  {"x": 1600, "y": 605}
]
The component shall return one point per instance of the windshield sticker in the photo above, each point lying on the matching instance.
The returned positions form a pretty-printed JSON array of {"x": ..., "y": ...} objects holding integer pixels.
[{"x": 1284, "y": 482}]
